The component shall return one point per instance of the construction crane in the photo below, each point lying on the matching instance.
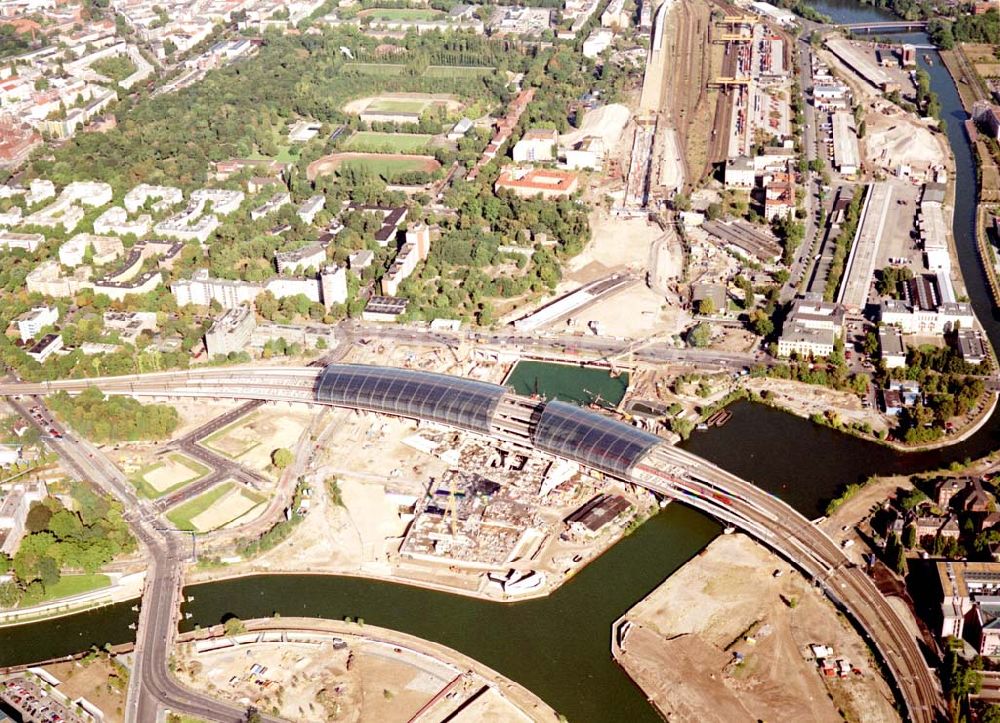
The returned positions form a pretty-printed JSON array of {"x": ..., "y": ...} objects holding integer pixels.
[
  {"x": 452, "y": 506},
  {"x": 633, "y": 347}
]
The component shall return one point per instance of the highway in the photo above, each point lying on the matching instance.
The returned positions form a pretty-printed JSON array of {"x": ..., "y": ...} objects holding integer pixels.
[{"x": 663, "y": 469}]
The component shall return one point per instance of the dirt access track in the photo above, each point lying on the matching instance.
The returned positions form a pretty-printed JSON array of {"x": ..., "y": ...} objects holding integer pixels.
[{"x": 682, "y": 648}]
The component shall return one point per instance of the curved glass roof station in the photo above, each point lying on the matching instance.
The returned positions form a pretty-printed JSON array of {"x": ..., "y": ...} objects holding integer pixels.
[
  {"x": 458, "y": 402},
  {"x": 598, "y": 442}
]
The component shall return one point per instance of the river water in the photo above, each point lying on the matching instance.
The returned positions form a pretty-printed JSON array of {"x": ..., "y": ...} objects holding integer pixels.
[{"x": 559, "y": 647}]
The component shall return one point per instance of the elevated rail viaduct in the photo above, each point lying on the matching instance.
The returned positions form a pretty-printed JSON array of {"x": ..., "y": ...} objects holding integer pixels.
[{"x": 589, "y": 438}]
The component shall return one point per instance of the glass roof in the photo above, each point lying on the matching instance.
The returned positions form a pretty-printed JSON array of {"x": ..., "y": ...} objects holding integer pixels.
[
  {"x": 587, "y": 437},
  {"x": 455, "y": 401}
]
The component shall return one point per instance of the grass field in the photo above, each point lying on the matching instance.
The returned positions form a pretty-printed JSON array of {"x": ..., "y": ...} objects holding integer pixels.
[
  {"x": 400, "y": 14},
  {"x": 75, "y": 585},
  {"x": 373, "y": 142},
  {"x": 215, "y": 508},
  {"x": 377, "y": 68},
  {"x": 182, "y": 515},
  {"x": 457, "y": 71},
  {"x": 397, "y": 105}
]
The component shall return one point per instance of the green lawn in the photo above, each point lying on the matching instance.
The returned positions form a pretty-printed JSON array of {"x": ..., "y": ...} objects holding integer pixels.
[
  {"x": 372, "y": 142},
  {"x": 400, "y": 14},
  {"x": 182, "y": 515},
  {"x": 376, "y": 68},
  {"x": 74, "y": 585},
  {"x": 147, "y": 490},
  {"x": 116, "y": 67},
  {"x": 397, "y": 105},
  {"x": 386, "y": 167},
  {"x": 457, "y": 71}
]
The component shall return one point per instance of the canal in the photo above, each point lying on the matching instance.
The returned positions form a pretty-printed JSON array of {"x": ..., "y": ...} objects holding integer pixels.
[{"x": 559, "y": 646}]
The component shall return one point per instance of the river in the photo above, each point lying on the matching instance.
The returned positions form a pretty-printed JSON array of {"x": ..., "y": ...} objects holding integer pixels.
[{"x": 559, "y": 647}]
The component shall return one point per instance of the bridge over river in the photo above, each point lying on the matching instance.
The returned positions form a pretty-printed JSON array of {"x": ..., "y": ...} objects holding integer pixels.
[{"x": 564, "y": 430}]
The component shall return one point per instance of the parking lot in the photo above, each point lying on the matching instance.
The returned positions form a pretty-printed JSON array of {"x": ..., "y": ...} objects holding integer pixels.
[{"x": 37, "y": 705}]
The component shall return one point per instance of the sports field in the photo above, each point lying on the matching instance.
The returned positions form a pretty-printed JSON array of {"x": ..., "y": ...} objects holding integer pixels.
[
  {"x": 389, "y": 14},
  {"x": 408, "y": 103},
  {"x": 215, "y": 508},
  {"x": 397, "y": 105},
  {"x": 386, "y": 165},
  {"x": 372, "y": 142},
  {"x": 168, "y": 474}
]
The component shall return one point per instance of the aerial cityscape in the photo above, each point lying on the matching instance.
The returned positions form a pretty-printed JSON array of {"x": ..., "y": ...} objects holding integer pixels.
[{"x": 545, "y": 360}]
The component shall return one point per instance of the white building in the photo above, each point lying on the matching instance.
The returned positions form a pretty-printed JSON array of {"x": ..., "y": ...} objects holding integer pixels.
[
  {"x": 45, "y": 347},
  {"x": 597, "y": 42},
  {"x": 223, "y": 201},
  {"x": 231, "y": 332},
  {"x": 811, "y": 328},
  {"x": 740, "y": 173},
  {"x": 587, "y": 155},
  {"x": 309, "y": 208},
  {"x": 27, "y": 241},
  {"x": 912, "y": 319},
  {"x": 166, "y": 196},
  {"x": 88, "y": 193},
  {"x": 300, "y": 259},
  {"x": 893, "y": 350},
  {"x": 537, "y": 144},
  {"x": 30, "y": 323}
]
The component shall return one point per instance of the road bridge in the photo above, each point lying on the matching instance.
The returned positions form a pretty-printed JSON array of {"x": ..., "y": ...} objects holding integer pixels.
[
  {"x": 563, "y": 430},
  {"x": 890, "y": 26}
]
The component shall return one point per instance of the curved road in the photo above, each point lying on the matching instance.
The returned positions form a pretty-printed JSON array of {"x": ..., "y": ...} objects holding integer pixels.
[{"x": 664, "y": 469}]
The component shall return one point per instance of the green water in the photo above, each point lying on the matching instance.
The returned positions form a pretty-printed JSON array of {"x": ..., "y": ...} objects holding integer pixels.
[{"x": 567, "y": 382}]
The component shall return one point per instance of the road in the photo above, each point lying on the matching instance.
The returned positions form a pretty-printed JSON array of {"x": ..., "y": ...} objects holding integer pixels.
[
  {"x": 663, "y": 469},
  {"x": 150, "y": 683}
]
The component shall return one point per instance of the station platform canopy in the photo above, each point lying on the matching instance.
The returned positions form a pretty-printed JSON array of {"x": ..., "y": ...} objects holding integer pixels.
[
  {"x": 603, "y": 444},
  {"x": 464, "y": 403}
]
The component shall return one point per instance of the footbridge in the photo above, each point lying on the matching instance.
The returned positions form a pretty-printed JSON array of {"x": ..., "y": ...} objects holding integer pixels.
[{"x": 589, "y": 438}]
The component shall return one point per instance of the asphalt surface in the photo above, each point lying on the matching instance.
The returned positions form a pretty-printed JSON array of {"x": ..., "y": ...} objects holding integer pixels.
[{"x": 150, "y": 683}]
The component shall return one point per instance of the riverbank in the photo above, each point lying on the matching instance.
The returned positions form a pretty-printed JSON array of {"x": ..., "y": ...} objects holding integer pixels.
[
  {"x": 123, "y": 589},
  {"x": 316, "y": 669},
  {"x": 728, "y": 638}
]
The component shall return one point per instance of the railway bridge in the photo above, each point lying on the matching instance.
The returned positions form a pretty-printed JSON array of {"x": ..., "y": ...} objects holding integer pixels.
[{"x": 591, "y": 439}]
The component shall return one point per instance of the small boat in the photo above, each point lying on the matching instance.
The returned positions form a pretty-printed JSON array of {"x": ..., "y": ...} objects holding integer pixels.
[
  {"x": 729, "y": 530},
  {"x": 702, "y": 427},
  {"x": 927, "y": 59}
]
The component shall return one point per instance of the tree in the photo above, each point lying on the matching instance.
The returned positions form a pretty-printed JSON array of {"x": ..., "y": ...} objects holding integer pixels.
[
  {"x": 700, "y": 335},
  {"x": 38, "y": 517},
  {"x": 706, "y": 307},
  {"x": 282, "y": 457},
  {"x": 233, "y": 626},
  {"x": 910, "y": 536}
]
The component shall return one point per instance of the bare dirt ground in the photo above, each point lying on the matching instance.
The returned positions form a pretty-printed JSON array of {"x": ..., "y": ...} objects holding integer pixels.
[
  {"x": 682, "y": 645},
  {"x": 171, "y": 472},
  {"x": 90, "y": 681},
  {"x": 254, "y": 440},
  {"x": 233, "y": 507},
  {"x": 634, "y": 313},
  {"x": 615, "y": 243},
  {"x": 606, "y": 122},
  {"x": 854, "y": 510},
  {"x": 894, "y": 137},
  {"x": 453, "y": 103},
  {"x": 373, "y": 674},
  {"x": 808, "y": 399}
]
